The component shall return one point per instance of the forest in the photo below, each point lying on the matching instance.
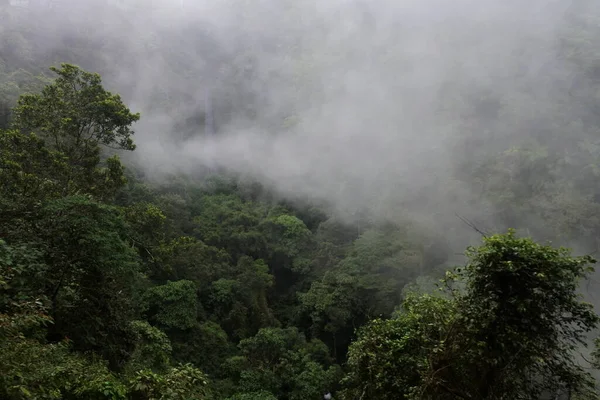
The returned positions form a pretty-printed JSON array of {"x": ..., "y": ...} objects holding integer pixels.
[{"x": 133, "y": 268}]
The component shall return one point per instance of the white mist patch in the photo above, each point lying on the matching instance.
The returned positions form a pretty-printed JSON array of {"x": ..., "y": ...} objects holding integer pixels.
[
  {"x": 376, "y": 87},
  {"x": 364, "y": 104}
]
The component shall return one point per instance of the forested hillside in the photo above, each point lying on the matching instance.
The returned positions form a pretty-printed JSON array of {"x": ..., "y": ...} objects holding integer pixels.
[{"x": 128, "y": 272}]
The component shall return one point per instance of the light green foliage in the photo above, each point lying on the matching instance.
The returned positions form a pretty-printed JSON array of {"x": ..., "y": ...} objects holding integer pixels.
[
  {"x": 75, "y": 113},
  {"x": 15, "y": 81},
  {"x": 74, "y": 116},
  {"x": 522, "y": 299}
]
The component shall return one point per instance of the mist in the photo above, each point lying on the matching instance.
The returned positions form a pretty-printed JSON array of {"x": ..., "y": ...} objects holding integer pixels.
[
  {"x": 368, "y": 104},
  {"x": 372, "y": 105}
]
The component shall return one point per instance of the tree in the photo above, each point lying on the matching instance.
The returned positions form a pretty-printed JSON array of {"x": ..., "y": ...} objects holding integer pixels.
[
  {"x": 386, "y": 360},
  {"x": 284, "y": 363},
  {"x": 91, "y": 276},
  {"x": 229, "y": 222},
  {"x": 366, "y": 284},
  {"x": 30, "y": 367},
  {"x": 173, "y": 305},
  {"x": 75, "y": 115},
  {"x": 524, "y": 317},
  {"x": 30, "y": 173},
  {"x": 288, "y": 239},
  {"x": 178, "y": 383},
  {"x": 240, "y": 304},
  {"x": 190, "y": 259},
  {"x": 508, "y": 330}
]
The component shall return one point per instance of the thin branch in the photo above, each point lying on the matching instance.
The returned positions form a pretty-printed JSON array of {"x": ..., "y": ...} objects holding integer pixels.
[{"x": 472, "y": 225}]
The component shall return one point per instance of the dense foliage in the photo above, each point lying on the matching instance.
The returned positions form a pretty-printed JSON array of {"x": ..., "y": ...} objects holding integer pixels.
[
  {"x": 208, "y": 286},
  {"x": 503, "y": 327}
]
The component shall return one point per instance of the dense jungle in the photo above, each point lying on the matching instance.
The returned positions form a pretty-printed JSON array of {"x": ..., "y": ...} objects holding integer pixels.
[{"x": 299, "y": 200}]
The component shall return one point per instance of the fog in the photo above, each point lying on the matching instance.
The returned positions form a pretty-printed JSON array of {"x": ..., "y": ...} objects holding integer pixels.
[
  {"x": 366, "y": 104},
  {"x": 374, "y": 105},
  {"x": 371, "y": 105}
]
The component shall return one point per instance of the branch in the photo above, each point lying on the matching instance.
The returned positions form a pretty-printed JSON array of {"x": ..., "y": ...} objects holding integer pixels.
[{"x": 472, "y": 225}]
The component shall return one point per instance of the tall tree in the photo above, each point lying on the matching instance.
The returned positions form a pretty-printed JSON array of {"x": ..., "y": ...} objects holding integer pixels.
[
  {"x": 75, "y": 115},
  {"x": 510, "y": 332}
]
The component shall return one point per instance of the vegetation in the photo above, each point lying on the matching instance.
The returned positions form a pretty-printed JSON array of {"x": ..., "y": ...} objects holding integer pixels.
[
  {"x": 113, "y": 286},
  {"x": 508, "y": 331}
]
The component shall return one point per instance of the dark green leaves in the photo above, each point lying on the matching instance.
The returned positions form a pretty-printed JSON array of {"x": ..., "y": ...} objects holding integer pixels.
[{"x": 508, "y": 334}]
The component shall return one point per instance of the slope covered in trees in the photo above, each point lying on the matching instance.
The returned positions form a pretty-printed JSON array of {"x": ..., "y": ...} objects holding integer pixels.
[
  {"x": 208, "y": 286},
  {"x": 112, "y": 288},
  {"x": 124, "y": 289}
]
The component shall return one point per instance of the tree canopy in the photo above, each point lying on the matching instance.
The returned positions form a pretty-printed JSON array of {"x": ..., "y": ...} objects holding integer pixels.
[{"x": 119, "y": 284}]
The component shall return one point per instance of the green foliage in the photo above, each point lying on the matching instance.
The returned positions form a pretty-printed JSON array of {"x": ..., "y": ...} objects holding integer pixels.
[
  {"x": 366, "y": 284},
  {"x": 50, "y": 371},
  {"x": 30, "y": 367},
  {"x": 75, "y": 113},
  {"x": 288, "y": 238},
  {"x": 30, "y": 173},
  {"x": 206, "y": 344},
  {"x": 93, "y": 273},
  {"x": 387, "y": 359},
  {"x": 172, "y": 306},
  {"x": 260, "y": 395},
  {"x": 152, "y": 348},
  {"x": 74, "y": 116},
  {"x": 226, "y": 221},
  {"x": 146, "y": 222},
  {"x": 69, "y": 276},
  {"x": 106, "y": 282},
  {"x": 522, "y": 299},
  {"x": 18, "y": 263},
  {"x": 509, "y": 333},
  {"x": 180, "y": 383},
  {"x": 190, "y": 259},
  {"x": 280, "y": 362}
]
